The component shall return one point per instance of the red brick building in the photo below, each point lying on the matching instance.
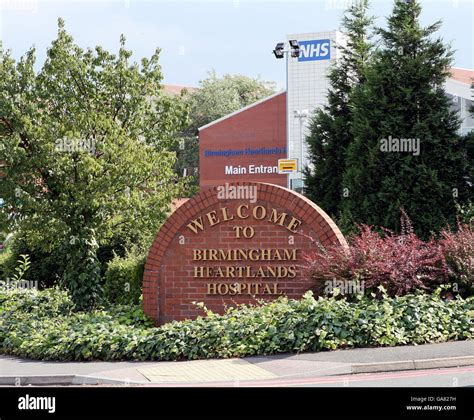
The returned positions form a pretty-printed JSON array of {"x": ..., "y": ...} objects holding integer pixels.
[{"x": 245, "y": 145}]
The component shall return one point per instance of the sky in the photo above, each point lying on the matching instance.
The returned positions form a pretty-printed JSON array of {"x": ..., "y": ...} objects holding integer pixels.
[{"x": 229, "y": 36}]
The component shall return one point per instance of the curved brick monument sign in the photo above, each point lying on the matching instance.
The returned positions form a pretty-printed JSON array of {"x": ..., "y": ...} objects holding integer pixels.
[{"x": 233, "y": 244}]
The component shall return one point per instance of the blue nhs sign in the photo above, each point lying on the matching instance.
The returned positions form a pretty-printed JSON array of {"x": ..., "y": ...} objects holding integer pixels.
[{"x": 317, "y": 49}]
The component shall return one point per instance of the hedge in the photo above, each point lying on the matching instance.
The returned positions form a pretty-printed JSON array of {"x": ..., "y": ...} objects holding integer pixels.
[
  {"x": 123, "y": 279},
  {"x": 42, "y": 325}
]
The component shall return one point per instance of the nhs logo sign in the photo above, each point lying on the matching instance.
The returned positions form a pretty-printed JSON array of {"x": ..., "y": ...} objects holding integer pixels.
[{"x": 317, "y": 49}]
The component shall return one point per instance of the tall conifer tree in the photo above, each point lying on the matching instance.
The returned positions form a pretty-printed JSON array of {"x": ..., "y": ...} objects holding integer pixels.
[
  {"x": 330, "y": 129},
  {"x": 403, "y": 98}
]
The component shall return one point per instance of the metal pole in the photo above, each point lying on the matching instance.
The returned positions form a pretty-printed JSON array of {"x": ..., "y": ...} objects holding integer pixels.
[
  {"x": 288, "y": 181},
  {"x": 301, "y": 146}
]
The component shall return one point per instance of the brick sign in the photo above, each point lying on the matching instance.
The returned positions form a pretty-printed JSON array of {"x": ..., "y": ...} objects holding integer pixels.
[{"x": 231, "y": 244}]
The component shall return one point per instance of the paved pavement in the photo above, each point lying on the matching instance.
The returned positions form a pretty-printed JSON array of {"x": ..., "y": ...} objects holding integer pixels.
[{"x": 309, "y": 368}]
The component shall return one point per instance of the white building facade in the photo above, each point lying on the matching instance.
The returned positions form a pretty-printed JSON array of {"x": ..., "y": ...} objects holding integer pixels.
[
  {"x": 308, "y": 85},
  {"x": 458, "y": 89}
]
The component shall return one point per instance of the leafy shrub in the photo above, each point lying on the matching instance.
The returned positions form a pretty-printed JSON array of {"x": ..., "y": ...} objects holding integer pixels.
[
  {"x": 458, "y": 250},
  {"x": 47, "y": 303},
  {"x": 6, "y": 261},
  {"x": 129, "y": 315},
  {"x": 40, "y": 325},
  {"x": 123, "y": 278},
  {"x": 400, "y": 263},
  {"x": 23, "y": 265},
  {"x": 47, "y": 266},
  {"x": 82, "y": 271},
  {"x": 465, "y": 213}
]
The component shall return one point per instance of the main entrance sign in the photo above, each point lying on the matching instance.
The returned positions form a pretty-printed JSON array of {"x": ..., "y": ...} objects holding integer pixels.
[
  {"x": 245, "y": 146},
  {"x": 230, "y": 245}
]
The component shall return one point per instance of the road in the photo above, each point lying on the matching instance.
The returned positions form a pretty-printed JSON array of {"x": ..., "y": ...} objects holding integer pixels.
[{"x": 450, "y": 377}]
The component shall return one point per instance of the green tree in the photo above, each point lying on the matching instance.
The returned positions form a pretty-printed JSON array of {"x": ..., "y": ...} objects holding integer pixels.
[
  {"x": 215, "y": 98},
  {"x": 403, "y": 98},
  {"x": 466, "y": 210},
  {"x": 86, "y": 144},
  {"x": 330, "y": 127}
]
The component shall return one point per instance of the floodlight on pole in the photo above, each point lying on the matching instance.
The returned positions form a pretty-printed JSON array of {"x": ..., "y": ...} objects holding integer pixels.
[
  {"x": 294, "y": 52},
  {"x": 295, "y": 48},
  {"x": 279, "y": 50}
]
